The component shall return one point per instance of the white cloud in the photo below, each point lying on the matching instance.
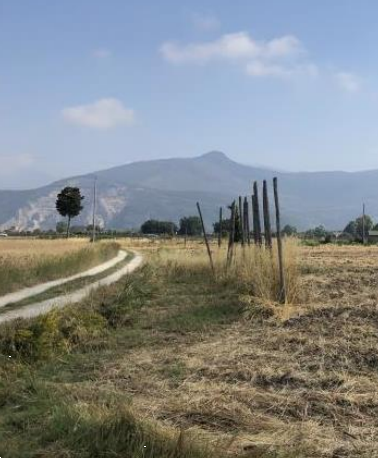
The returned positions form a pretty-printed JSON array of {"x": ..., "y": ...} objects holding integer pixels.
[
  {"x": 206, "y": 23},
  {"x": 234, "y": 46},
  {"x": 282, "y": 57},
  {"x": 348, "y": 82},
  {"x": 101, "y": 53},
  {"x": 263, "y": 69},
  {"x": 10, "y": 163},
  {"x": 102, "y": 114}
]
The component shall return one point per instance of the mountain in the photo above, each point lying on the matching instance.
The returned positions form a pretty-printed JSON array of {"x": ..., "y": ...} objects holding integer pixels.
[{"x": 169, "y": 189}]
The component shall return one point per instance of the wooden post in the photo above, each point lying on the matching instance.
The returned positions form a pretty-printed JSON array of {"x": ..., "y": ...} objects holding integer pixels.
[
  {"x": 241, "y": 219},
  {"x": 257, "y": 210},
  {"x": 205, "y": 237},
  {"x": 220, "y": 227},
  {"x": 94, "y": 211},
  {"x": 282, "y": 295},
  {"x": 363, "y": 224},
  {"x": 267, "y": 226},
  {"x": 254, "y": 220},
  {"x": 246, "y": 220},
  {"x": 230, "y": 251}
]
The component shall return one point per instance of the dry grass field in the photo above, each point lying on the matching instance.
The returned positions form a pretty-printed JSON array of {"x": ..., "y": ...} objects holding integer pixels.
[
  {"x": 25, "y": 250},
  {"x": 171, "y": 349},
  {"x": 26, "y": 261}
]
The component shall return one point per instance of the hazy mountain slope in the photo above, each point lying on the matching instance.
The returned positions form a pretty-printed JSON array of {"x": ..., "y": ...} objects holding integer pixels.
[{"x": 169, "y": 189}]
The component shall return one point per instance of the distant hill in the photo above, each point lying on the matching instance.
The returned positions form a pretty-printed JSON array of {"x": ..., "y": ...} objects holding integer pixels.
[{"x": 170, "y": 188}]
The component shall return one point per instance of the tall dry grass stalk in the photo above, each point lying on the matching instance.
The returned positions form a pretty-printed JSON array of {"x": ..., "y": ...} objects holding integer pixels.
[{"x": 256, "y": 269}]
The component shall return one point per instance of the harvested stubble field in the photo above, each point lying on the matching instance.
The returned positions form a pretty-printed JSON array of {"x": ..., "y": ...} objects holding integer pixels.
[
  {"x": 25, "y": 261},
  {"x": 169, "y": 349}
]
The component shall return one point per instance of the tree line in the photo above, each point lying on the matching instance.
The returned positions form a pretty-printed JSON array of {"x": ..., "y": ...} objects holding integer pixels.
[{"x": 69, "y": 205}]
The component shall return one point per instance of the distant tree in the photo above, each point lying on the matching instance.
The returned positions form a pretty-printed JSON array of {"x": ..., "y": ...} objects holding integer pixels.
[
  {"x": 289, "y": 230},
  {"x": 190, "y": 225},
  {"x": 226, "y": 226},
  {"x": 89, "y": 228},
  {"x": 61, "y": 227},
  {"x": 368, "y": 226},
  {"x": 153, "y": 226},
  {"x": 355, "y": 227},
  {"x": 320, "y": 231},
  {"x": 78, "y": 229},
  {"x": 68, "y": 204},
  {"x": 351, "y": 228}
]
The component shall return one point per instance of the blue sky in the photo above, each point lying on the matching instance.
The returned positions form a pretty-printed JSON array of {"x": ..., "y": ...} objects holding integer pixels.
[{"x": 89, "y": 84}]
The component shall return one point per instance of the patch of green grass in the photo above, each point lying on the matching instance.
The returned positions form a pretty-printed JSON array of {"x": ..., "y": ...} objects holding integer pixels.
[
  {"x": 54, "y": 421},
  {"x": 202, "y": 317}
]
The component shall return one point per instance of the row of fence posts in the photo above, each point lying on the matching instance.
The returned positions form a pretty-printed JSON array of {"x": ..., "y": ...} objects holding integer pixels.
[{"x": 243, "y": 211}]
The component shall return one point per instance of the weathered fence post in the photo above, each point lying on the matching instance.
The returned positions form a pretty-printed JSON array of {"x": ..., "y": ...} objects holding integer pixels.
[
  {"x": 363, "y": 225},
  {"x": 267, "y": 227},
  {"x": 254, "y": 220},
  {"x": 241, "y": 219},
  {"x": 205, "y": 237},
  {"x": 257, "y": 210},
  {"x": 230, "y": 251},
  {"x": 246, "y": 220},
  {"x": 220, "y": 227},
  {"x": 282, "y": 295}
]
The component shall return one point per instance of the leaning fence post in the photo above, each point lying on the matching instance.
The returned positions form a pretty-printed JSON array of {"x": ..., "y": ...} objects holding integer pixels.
[
  {"x": 267, "y": 226},
  {"x": 205, "y": 237},
  {"x": 282, "y": 296},
  {"x": 220, "y": 227},
  {"x": 231, "y": 239}
]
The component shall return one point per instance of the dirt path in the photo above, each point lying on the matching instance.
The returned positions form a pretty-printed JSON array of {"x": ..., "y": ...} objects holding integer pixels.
[
  {"x": 26, "y": 293},
  {"x": 40, "y": 308}
]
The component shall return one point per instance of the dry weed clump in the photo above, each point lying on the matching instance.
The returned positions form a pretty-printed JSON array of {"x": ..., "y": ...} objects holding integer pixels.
[{"x": 254, "y": 270}]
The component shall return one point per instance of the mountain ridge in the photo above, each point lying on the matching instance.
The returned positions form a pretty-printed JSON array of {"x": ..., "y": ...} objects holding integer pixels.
[{"x": 169, "y": 188}]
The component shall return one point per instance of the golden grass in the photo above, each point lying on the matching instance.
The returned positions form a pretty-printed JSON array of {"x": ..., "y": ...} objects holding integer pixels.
[
  {"x": 25, "y": 262},
  {"x": 303, "y": 384},
  {"x": 25, "y": 251},
  {"x": 254, "y": 269}
]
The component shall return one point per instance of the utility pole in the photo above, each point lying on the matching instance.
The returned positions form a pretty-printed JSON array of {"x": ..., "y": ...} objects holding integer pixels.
[{"x": 94, "y": 211}]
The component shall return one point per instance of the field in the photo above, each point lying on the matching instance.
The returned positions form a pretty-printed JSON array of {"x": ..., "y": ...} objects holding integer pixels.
[
  {"x": 25, "y": 262},
  {"x": 172, "y": 362}
]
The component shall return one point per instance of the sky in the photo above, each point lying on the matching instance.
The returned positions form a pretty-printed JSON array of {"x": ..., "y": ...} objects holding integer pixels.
[{"x": 90, "y": 84}]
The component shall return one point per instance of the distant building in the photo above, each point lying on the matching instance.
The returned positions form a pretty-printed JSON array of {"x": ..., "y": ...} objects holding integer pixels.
[{"x": 373, "y": 237}]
